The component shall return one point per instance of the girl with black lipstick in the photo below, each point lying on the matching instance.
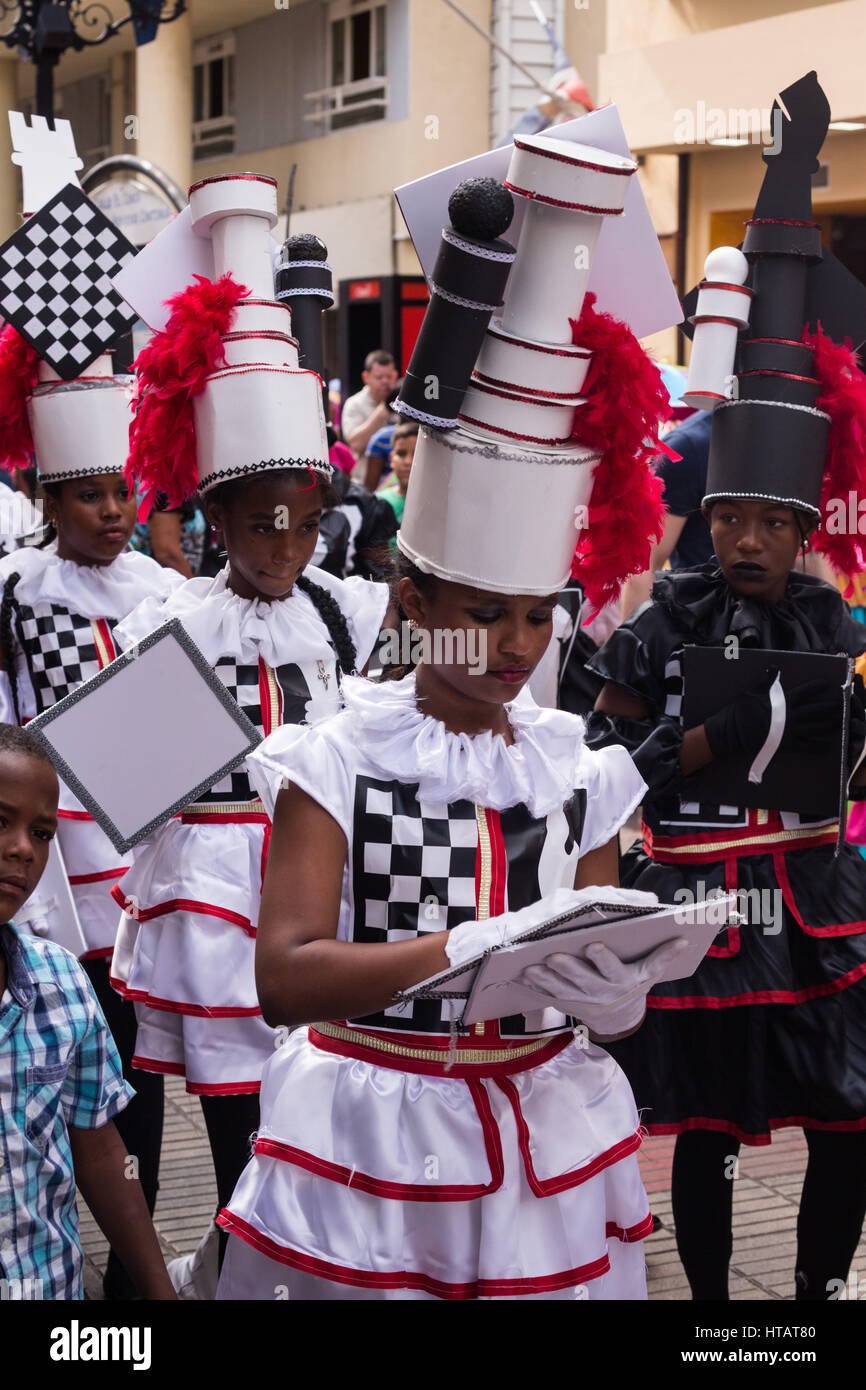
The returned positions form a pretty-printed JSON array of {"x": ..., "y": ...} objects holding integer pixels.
[
  {"x": 61, "y": 603},
  {"x": 278, "y": 633},
  {"x": 771, "y": 1030}
]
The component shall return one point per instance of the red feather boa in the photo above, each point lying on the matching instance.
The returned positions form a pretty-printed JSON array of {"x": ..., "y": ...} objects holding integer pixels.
[
  {"x": 19, "y": 372},
  {"x": 843, "y": 396},
  {"x": 627, "y": 402},
  {"x": 172, "y": 370}
]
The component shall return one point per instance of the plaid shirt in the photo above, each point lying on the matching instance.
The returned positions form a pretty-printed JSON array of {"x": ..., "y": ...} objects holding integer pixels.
[{"x": 58, "y": 1067}]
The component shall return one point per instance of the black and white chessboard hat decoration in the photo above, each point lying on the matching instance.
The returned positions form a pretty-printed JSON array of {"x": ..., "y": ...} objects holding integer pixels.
[
  {"x": 786, "y": 425},
  {"x": 496, "y": 502},
  {"x": 58, "y": 397},
  {"x": 220, "y": 392}
]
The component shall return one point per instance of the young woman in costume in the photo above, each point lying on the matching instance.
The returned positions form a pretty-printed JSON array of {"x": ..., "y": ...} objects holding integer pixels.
[
  {"x": 61, "y": 603},
  {"x": 280, "y": 636},
  {"x": 399, "y": 1154}
]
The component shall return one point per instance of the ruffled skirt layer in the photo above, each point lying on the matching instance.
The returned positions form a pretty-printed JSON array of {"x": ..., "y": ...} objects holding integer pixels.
[
  {"x": 185, "y": 954},
  {"x": 371, "y": 1182},
  {"x": 770, "y": 1031}
]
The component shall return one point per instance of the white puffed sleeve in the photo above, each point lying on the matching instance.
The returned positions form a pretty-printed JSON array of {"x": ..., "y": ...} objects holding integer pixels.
[
  {"x": 311, "y": 759},
  {"x": 614, "y": 788}
]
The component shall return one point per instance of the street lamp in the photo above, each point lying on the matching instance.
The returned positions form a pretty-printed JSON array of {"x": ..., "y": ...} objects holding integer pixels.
[{"x": 43, "y": 31}]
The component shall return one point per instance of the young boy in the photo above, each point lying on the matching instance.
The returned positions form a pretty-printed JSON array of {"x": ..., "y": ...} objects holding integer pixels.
[
  {"x": 60, "y": 1076},
  {"x": 402, "y": 453}
]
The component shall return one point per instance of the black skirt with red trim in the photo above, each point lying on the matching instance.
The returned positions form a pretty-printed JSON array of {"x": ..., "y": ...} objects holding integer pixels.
[{"x": 770, "y": 1031}]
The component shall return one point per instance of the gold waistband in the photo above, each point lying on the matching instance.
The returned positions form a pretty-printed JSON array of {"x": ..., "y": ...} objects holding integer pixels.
[
  {"x": 761, "y": 841},
  {"x": 477, "y": 1055},
  {"x": 223, "y": 808}
]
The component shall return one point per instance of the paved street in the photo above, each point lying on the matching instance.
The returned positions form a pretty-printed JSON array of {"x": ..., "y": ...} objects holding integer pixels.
[{"x": 765, "y": 1208}]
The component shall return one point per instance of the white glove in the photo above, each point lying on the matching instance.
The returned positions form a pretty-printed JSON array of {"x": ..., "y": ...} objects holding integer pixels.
[
  {"x": 601, "y": 990},
  {"x": 470, "y": 939}
]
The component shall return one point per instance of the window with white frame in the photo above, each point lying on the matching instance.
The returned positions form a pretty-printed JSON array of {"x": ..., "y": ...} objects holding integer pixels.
[
  {"x": 358, "y": 90},
  {"x": 213, "y": 96}
]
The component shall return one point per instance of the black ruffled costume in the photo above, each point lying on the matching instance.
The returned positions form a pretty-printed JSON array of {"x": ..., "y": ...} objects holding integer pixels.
[{"x": 771, "y": 1029}]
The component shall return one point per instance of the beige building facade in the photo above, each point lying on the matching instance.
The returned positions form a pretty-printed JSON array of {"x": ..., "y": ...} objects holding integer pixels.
[{"x": 342, "y": 100}]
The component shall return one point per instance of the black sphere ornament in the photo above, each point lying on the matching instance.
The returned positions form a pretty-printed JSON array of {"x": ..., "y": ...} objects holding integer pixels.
[
  {"x": 481, "y": 208},
  {"x": 304, "y": 246}
]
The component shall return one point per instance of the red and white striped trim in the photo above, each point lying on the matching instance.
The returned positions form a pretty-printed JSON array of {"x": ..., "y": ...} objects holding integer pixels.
[
  {"x": 197, "y": 1088},
  {"x": 171, "y": 1006},
  {"x": 415, "y": 1279}
]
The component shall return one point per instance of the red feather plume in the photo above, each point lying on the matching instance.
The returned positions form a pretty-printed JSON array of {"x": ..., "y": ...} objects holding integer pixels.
[
  {"x": 627, "y": 402},
  {"x": 19, "y": 372},
  {"x": 843, "y": 397},
  {"x": 172, "y": 370}
]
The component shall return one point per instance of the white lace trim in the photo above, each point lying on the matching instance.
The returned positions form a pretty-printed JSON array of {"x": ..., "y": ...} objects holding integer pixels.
[
  {"x": 439, "y": 422},
  {"x": 460, "y": 302},
  {"x": 484, "y": 253}
]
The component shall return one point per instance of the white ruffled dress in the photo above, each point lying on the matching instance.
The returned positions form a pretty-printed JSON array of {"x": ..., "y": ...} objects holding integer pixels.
[
  {"x": 68, "y": 616},
  {"x": 186, "y": 943},
  {"x": 383, "y": 1168}
]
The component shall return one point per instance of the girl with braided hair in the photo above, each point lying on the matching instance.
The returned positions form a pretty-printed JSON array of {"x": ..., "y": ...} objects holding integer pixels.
[{"x": 279, "y": 633}]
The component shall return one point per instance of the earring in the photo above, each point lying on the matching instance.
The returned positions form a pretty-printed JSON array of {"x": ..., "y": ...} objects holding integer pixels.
[{"x": 413, "y": 625}]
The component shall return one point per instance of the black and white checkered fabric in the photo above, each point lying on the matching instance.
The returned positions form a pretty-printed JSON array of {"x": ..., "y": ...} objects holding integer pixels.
[
  {"x": 242, "y": 683},
  {"x": 60, "y": 650},
  {"x": 415, "y": 873},
  {"x": 55, "y": 285}
]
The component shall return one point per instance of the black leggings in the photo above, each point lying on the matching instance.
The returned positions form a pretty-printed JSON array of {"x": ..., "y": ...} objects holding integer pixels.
[
  {"x": 832, "y": 1208},
  {"x": 230, "y": 1122},
  {"x": 140, "y": 1124}
]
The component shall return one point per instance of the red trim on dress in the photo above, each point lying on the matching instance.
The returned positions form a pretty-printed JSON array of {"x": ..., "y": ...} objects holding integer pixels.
[
  {"x": 100, "y": 877},
  {"x": 395, "y": 1191},
  {"x": 834, "y": 929},
  {"x": 549, "y": 1187},
  {"x": 98, "y": 953},
  {"x": 630, "y": 1234},
  {"x": 755, "y": 1140},
  {"x": 760, "y": 996},
  {"x": 458, "y": 1071},
  {"x": 73, "y": 815},
  {"x": 171, "y": 1006},
  {"x": 147, "y": 914},
  {"x": 732, "y": 933},
  {"x": 195, "y": 1088},
  {"x": 409, "y": 1279}
]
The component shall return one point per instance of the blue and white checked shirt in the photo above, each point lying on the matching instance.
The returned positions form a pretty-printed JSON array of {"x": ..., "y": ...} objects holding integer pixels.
[{"x": 58, "y": 1067}]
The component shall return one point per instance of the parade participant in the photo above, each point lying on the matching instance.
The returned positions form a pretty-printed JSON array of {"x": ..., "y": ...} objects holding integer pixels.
[
  {"x": 402, "y": 453},
  {"x": 769, "y": 1032},
  {"x": 224, "y": 409},
  {"x": 62, "y": 599},
  {"x": 61, "y": 1084},
  {"x": 398, "y": 1156}
]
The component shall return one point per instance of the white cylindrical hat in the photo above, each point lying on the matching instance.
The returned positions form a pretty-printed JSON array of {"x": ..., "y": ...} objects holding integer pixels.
[
  {"x": 493, "y": 516},
  {"x": 80, "y": 427},
  {"x": 252, "y": 419}
]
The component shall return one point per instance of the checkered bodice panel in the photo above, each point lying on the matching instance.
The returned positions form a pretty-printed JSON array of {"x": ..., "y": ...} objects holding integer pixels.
[
  {"x": 421, "y": 867},
  {"x": 62, "y": 649},
  {"x": 268, "y": 697},
  {"x": 677, "y": 811}
]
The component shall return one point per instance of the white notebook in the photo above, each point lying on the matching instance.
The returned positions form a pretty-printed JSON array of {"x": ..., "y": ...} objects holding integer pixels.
[{"x": 488, "y": 982}]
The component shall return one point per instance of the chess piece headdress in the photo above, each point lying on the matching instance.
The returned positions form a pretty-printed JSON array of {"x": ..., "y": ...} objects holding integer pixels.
[
  {"x": 220, "y": 392},
  {"x": 538, "y": 423},
  {"x": 794, "y": 428},
  {"x": 59, "y": 398}
]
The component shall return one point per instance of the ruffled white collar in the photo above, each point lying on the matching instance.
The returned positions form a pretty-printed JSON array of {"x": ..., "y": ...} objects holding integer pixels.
[
  {"x": 400, "y": 742},
  {"x": 92, "y": 591},
  {"x": 290, "y": 629}
]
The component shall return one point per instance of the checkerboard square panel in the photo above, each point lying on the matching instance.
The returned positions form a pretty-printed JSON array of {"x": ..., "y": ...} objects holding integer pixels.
[
  {"x": 59, "y": 649},
  {"x": 95, "y": 314}
]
